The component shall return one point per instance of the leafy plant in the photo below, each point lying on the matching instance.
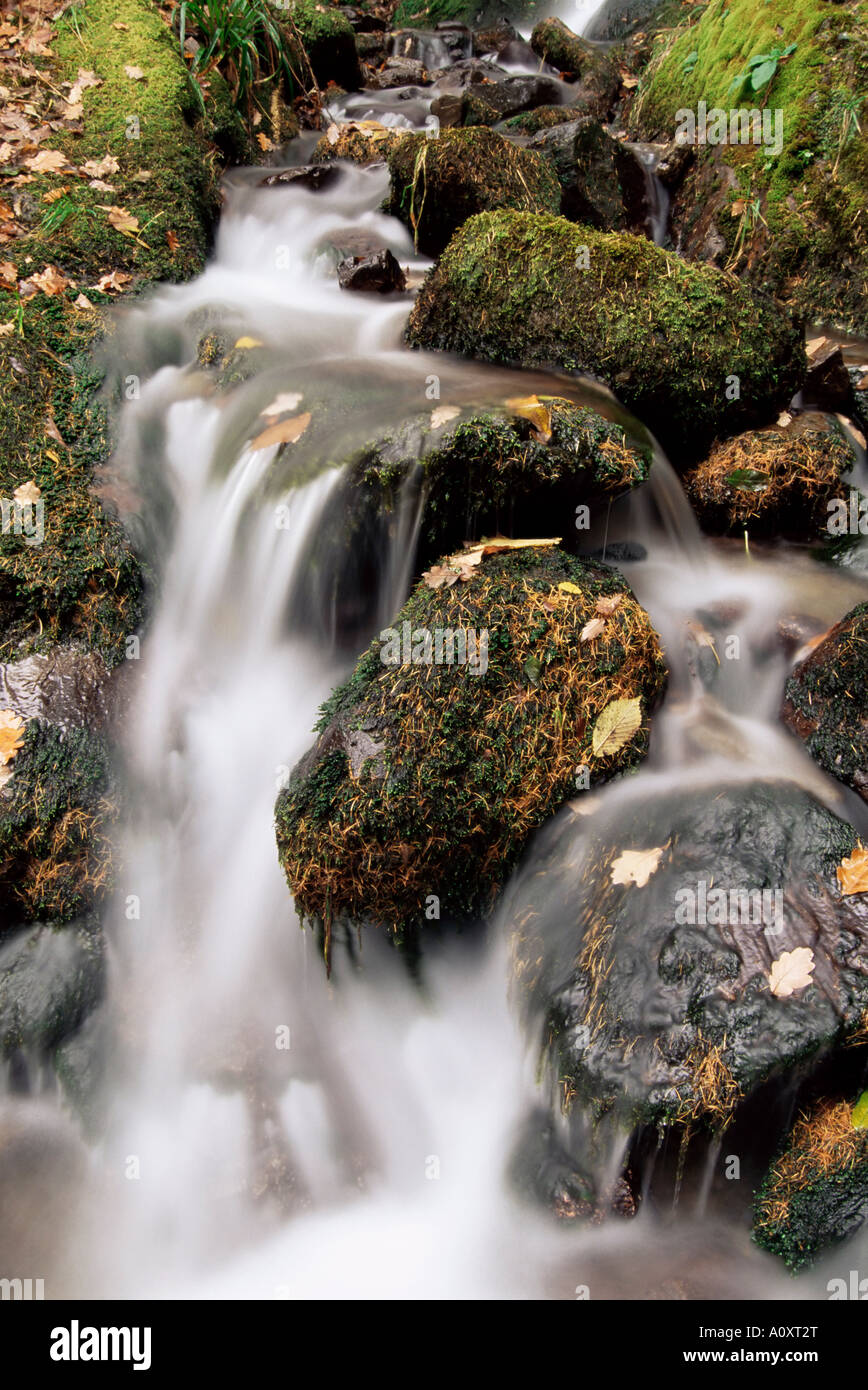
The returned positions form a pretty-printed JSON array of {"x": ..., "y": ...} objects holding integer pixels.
[
  {"x": 851, "y": 107},
  {"x": 690, "y": 62},
  {"x": 242, "y": 39},
  {"x": 760, "y": 70}
]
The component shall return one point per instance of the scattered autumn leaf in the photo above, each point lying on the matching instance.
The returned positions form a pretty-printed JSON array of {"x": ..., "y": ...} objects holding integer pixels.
[
  {"x": 263, "y": 141},
  {"x": 791, "y": 971},
  {"x": 99, "y": 168},
  {"x": 439, "y": 576},
  {"x": 442, "y": 414},
  {"x": 636, "y": 866},
  {"x": 284, "y": 432},
  {"x": 117, "y": 280},
  {"x": 531, "y": 408},
  {"x": 607, "y": 603},
  {"x": 135, "y": 74},
  {"x": 287, "y": 400},
  {"x": 566, "y": 587},
  {"x": 27, "y": 492},
  {"x": 172, "y": 242},
  {"x": 121, "y": 219},
  {"x": 784, "y": 419},
  {"x": 495, "y": 544},
  {"x": 629, "y": 83},
  {"x": 8, "y": 274},
  {"x": 246, "y": 342},
  {"x": 737, "y": 208},
  {"x": 50, "y": 281},
  {"x": 47, "y": 162},
  {"x": 593, "y": 629},
  {"x": 616, "y": 725},
  {"x": 11, "y": 735},
  {"x": 85, "y": 79},
  {"x": 853, "y": 872}
]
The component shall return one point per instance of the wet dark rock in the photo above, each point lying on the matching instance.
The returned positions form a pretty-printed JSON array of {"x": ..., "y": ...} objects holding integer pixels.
[
  {"x": 439, "y": 808},
  {"x": 515, "y": 50},
  {"x": 527, "y": 289},
  {"x": 312, "y": 176},
  {"x": 464, "y": 74},
  {"x": 602, "y": 180},
  {"x": 654, "y": 1000},
  {"x": 827, "y": 383},
  {"x": 486, "y": 103},
  {"x": 578, "y": 61},
  {"x": 620, "y": 552},
  {"x": 449, "y": 109},
  {"x": 66, "y": 686},
  {"x": 615, "y": 19},
  {"x": 371, "y": 48},
  {"x": 379, "y": 272},
  {"x": 50, "y": 980},
  {"x": 545, "y": 1171},
  {"x": 399, "y": 72},
  {"x": 673, "y": 165},
  {"x": 826, "y": 701}
]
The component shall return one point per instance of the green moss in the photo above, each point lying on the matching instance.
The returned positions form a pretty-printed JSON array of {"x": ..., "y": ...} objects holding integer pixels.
[
  {"x": 417, "y": 14},
  {"x": 667, "y": 336},
  {"x": 55, "y": 817},
  {"x": 456, "y": 768},
  {"x": 543, "y": 118},
  {"x": 811, "y": 244},
  {"x": 329, "y": 43},
  {"x": 438, "y": 184}
]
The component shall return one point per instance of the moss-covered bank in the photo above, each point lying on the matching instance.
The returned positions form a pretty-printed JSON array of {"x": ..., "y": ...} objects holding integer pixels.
[
  {"x": 690, "y": 351},
  {"x": 429, "y": 775},
  {"x": 826, "y": 701},
  {"x": 800, "y": 223}
]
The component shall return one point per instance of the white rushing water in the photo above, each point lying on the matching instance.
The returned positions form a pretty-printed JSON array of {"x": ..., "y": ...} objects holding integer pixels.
[{"x": 270, "y": 1133}]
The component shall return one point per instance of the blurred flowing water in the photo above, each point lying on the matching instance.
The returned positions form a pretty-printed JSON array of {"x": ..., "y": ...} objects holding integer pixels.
[{"x": 270, "y": 1133}]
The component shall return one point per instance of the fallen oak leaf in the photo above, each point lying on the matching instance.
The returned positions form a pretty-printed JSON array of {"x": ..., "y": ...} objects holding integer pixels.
[
  {"x": 607, "y": 603},
  {"x": 636, "y": 866},
  {"x": 616, "y": 725},
  {"x": 47, "y": 162},
  {"x": 284, "y": 432},
  {"x": 120, "y": 218},
  {"x": 592, "y": 629},
  {"x": 50, "y": 281},
  {"x": 98, "y": 168},
  {"x": 8, "y": 275},
  {"x": 263, "y": 141},
  {"x": 495, "y": 544},
  {"x": 172, "y": 242},
  {"x": 135, "y": 74},
  {"x": 791, "y": 971},
  {"x": 566, "y": 587},
  {"x": 117, "y": 280},
  {"x": 439, "y": 576},
  {"x": 27, "y": 492},
  {"x": 442, "y": 414},
  {"x": 853, "y": 872}
]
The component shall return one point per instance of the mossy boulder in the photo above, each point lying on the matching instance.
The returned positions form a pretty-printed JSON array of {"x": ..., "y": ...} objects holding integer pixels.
[
  {"x": 800, "y": 223},
  {"x": 57, "y": 812},
  {"x": 815, "y": 1195},
  {"x": 329, "y": 43},
  {"x": 578, "y": 61},
  {"x": 438, "y": 184},
  {"x": 488, "y": 103},
  {"x": 645, "y": 947},
  {"x": 488, "y": 473},
  {"x": 776, "y": 482},
  {"x": 428, "y": 775},
  {"x": 666, "y": 336},
  {"x": 357, "y": 144},
  {"x": 826, "y": 701}
]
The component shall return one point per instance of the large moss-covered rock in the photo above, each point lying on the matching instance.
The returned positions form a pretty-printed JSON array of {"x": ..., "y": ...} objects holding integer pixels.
[
  {"x": 669, "y": 338},
  {"x": 801, "y": 208},
  {"x": 647, "y": 948},
  {"x": 438, "y": 184},
  {"x": 815, "y": 1194},
  {"x": 429, "y": 774},
  {"x": 776, "y": 482},
  {"x": 426, "y": 14},
  {"x": 579, "y": 61},
  {"x": 826, "y": 701}
]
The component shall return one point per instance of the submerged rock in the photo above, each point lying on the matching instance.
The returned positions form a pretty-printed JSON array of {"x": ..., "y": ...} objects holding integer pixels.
[
  {"x": 543, "y": 118},
  {"x": 458, "y": 733},
  {"x": 826, "y": 701},
  {"x": 775, "y": 482},
  {"x": 379, "y": 272},
  {"x": 647, "y": 948},
  {"x": 49, "y": 982},
  {"x": 668, "y": 337},
  {"x": 815, "y": 1194},
  {"x": 312, "y": 176},
  {"x": 438, "y": 184},
  {"x": 486, "y": 103}
]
